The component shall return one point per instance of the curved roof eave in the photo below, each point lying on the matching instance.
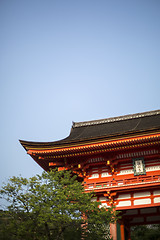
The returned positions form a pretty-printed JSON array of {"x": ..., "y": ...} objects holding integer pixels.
[{"x": 109, "y": 129}]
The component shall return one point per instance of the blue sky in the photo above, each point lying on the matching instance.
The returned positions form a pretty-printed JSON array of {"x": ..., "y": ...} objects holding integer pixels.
[{"x": 64, "y": 61}]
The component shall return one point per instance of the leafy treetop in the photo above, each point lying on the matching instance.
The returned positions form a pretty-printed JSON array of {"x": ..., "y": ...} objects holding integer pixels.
[{"x": 54, "y": 206}]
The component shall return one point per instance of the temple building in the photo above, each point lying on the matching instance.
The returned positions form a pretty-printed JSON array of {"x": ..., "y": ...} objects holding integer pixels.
[{"x": 118, "y": 158}]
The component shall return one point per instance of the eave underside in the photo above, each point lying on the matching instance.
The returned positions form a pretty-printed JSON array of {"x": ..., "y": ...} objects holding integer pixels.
[{"x": 107, "y": 146}]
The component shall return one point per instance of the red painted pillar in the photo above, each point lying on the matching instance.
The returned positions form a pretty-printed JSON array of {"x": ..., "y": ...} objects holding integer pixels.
[
  {"x": 122, "y": 231},
  {"x": 113, "y": 230}
]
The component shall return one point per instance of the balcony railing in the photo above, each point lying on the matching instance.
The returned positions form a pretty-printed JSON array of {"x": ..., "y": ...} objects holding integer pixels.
[{"x": 139, "y": 180}]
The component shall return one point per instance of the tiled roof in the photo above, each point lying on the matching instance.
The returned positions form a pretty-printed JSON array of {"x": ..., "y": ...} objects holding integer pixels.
[
  {"x": 106, "y": 128},
  {"x": 118, "y": 125},
  {"x": 115, "y": 119}
]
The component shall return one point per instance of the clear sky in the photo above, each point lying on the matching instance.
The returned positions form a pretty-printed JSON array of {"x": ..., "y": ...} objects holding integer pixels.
[{"x": 72, "y": 60}]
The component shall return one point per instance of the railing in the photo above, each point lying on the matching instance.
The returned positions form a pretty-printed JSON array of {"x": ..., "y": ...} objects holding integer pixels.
[{"x": 125, "y": 182}]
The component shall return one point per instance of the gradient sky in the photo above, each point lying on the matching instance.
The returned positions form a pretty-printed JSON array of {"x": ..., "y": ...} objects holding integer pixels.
[{"x": 64, "y": 61}]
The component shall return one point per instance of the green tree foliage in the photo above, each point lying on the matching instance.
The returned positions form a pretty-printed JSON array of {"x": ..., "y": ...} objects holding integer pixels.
[{"x": 51, "y": 206}]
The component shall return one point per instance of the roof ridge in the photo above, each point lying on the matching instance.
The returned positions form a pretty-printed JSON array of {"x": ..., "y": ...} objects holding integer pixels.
[{"x": 115, "y": 119}]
